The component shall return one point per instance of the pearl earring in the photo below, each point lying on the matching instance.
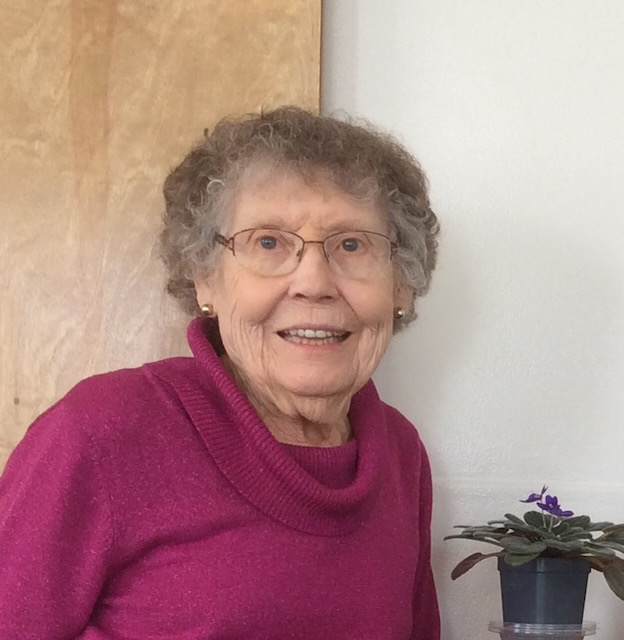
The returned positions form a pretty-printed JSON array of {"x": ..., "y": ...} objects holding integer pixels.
[{"x": 207, "y": 310}]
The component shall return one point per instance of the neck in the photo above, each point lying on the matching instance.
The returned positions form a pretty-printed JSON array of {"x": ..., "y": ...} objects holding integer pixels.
[
  {"x": 299, "y": 420},
  {"x": 298, "y": 429}
]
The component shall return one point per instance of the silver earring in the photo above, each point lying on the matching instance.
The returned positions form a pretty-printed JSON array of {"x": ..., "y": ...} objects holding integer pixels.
[
  {"x": 207, "y": 310},
  {"x": 399, "y": 314}
]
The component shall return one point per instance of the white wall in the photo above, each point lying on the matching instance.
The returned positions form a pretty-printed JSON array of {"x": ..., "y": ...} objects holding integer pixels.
[{"x": 515, "y": 370}]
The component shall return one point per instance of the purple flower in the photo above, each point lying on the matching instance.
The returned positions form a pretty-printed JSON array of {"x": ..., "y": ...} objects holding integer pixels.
[
  {"x": 534, "y": 497},
  {"x": 551, "y": 505}
]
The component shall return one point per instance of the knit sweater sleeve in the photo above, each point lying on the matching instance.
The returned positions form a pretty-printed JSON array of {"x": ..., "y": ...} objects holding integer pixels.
[
  {"x": 55, "y": 530},
  {"x": 426, "y": 617}
]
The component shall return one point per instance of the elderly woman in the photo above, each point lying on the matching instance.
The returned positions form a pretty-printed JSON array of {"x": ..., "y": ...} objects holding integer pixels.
[{"x": 260, "y": 489}]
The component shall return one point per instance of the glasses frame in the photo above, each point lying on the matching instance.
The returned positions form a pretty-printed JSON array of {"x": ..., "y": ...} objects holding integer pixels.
[{"x": 228, "y": 243}]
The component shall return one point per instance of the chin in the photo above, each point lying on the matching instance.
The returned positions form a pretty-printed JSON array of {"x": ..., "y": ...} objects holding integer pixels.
[{"x": 320, "y": 386}]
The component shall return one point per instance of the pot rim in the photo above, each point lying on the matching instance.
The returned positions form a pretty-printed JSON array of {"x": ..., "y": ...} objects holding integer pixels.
[{"x": 548, "y": 565}]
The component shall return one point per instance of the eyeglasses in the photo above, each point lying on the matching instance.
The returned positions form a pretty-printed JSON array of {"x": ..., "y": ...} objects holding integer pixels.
[{"x": 273, "y": 252}]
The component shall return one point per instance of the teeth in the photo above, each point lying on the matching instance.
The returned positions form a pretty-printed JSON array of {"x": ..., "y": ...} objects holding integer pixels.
[{"x": 314, "y": 333}]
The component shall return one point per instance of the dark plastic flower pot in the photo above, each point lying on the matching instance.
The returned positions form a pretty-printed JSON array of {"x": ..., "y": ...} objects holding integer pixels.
[{"x": 544, "y": 591}]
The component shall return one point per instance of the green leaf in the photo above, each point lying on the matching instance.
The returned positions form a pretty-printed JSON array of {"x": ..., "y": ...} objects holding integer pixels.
[
  {"x": 524, "y": 529},
  {"x": 508, "y": 523},
  {"x": 613, "y": 545},
  {"x": 534, "y": 518},
  {"x": 614, "y": 575},
  {"x": 563, "y": 545},
  {"x": 489, "y": 540},
  {"x": 502, "y": 525},
  {"x": 534, "y": 527},
  {"x": 561, "y": 529},
  {"x": 599, "y": 550},
  {"x": 521, "y": 546},
  {"x": 482, "y": 529},
  {"x": 579, "y": 521},
  {"x": 475, "y": 534},
  {"x": 517, "y": 560},
  {"x": 514, "y": 519},
  {"x": 467, "y": 563},
  {"x": 599, "y": 526},
  {"x": 576, "y": 534}
]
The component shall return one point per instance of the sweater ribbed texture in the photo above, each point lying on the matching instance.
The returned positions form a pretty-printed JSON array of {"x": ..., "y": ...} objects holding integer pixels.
[{"x": 334, "y": 467}]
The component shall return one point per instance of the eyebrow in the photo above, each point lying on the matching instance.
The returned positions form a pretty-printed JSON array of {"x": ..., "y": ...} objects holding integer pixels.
[{"x": 283, "y": 224}]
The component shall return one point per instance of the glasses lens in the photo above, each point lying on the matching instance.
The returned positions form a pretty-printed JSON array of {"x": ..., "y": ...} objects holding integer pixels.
[
  {"x": 268, "y": 252},
  {"x": 358, "y": 254}
]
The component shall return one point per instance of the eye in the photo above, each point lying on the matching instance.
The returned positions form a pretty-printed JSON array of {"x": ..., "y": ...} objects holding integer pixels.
[
  {"x": 350, "y": 244},
  {"x": 268, "y": 242}
]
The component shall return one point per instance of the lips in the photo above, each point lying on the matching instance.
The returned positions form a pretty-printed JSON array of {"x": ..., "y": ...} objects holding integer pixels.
[{"x": 307, "y": 335}]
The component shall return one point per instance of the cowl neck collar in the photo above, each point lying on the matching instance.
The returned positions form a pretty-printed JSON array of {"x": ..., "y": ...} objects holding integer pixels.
[{"x": 261, "y": 468}]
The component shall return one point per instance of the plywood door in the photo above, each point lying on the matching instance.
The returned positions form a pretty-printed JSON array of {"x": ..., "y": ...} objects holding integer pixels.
[{"x": 98, "y": 99}]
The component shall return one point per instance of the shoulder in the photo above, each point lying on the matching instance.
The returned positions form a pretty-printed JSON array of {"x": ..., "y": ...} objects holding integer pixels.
[
  {"x": 107, "y": 428},
  {"x": 128, "y": 386},
  {"x": 402, "y": 432},
  {"x": 409, "y": 454},
  {"x": 110, "y": 404}
]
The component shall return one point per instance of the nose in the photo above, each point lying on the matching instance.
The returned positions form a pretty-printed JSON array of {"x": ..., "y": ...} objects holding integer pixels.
[{"x": 313, "y": 278}]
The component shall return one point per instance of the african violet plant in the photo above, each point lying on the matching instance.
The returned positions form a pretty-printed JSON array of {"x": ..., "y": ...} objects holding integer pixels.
[{"x": 550, "y": 533}]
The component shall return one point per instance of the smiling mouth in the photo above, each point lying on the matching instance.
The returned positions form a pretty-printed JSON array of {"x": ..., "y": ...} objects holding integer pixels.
[{"x": 313, "y": 336}]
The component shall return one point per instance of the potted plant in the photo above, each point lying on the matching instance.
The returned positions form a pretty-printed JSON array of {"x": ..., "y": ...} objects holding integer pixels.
[{"x": 544, "y": 559}]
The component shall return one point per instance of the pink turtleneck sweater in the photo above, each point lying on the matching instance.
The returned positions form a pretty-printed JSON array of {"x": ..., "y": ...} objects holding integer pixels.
[{"x": 154, "y": 503}]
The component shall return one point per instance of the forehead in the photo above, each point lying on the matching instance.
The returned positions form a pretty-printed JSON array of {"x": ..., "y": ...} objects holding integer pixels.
[{"x": 289, "y": 202}]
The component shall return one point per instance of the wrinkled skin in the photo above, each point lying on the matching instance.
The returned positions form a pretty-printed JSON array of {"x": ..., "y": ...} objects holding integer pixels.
[{"x": 302, "y": 391}]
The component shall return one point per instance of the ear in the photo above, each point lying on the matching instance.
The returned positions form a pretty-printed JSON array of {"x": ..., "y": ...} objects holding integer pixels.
[
  {"x": 204, "y": 290},
  {"x": 402, "y": 297}
]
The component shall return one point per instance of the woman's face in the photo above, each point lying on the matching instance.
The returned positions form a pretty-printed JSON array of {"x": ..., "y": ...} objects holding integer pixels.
[{"x": 258, "y": 315}]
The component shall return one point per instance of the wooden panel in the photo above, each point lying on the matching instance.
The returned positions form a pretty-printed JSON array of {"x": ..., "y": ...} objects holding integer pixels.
[{"x": 98, "y": 99}]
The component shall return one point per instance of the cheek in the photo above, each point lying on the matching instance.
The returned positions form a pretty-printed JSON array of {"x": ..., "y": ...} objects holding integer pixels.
[
  {"x": 375, "y": 309},
  {"x": 245, "y": 340},
  {"x": 245, "y": 301},
  {"x": 244, "y": 311},
  {"x": 374, "y": 305},
  {"x": 254, "y": 313},
  {"x": 241, "y": 326}
]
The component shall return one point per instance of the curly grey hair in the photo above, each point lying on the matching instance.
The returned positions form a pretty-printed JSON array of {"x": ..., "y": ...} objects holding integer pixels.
[{"x": 361, "y": 161}]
